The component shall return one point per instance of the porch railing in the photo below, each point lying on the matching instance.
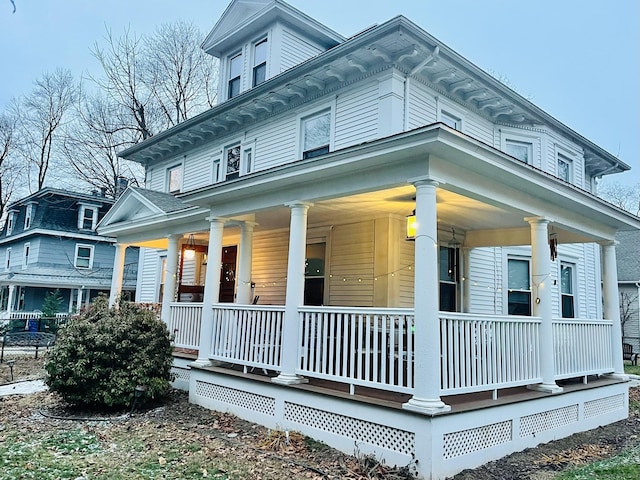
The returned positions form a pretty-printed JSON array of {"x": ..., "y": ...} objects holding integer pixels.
[
  {"x": 360, "y": 346},
  {"x": 582, "y": 347},
  {"x": 480, "y": 353},
  {"x": 184, "y": 324},
  {"x": 249, "y": 335}
]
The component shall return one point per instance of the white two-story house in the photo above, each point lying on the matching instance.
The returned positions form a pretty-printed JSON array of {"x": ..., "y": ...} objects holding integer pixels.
[{"x": 374, "y": 242}]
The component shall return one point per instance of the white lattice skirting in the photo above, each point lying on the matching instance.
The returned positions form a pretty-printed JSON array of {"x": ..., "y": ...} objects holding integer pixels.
[{"x": 443, "y": 445}]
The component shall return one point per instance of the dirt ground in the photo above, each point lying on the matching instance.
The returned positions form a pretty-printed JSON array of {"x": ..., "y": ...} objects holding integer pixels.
[{"x": 307, "y": 459}]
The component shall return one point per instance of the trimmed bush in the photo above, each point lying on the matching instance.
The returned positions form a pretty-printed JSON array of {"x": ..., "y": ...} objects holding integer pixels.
[{"x": 100, "y": 357}]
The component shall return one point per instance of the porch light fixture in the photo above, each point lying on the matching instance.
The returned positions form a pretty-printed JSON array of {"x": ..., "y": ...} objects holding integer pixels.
[
  {"x": 412, "y": 226},
  {"x": 190, "y": 248}
]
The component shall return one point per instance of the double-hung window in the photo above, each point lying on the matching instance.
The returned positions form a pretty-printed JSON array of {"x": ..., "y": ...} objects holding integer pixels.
[
  {"x": 316, "y": 134},
  {"x": 7, "y": 259},
  {"x": 314, "y": 273},
  {"x": 564, "y": 168},
  {"x": 26, "y": 250},
  {"x": 174, "y": 179},
  {"x": 566, "y": 290},
  {"x": 29, "y": 215},
  {"x": 519, "y": 287},
  {"x": 260, "y": 62},
  {"x": 11, "y": 220},
  {"x": 232, "y": 161},
  {"x": 235, "y": 72},
  {"x": 84, "y": 256},
  {"x": 87, "y": 217},
  {"x": 449, "y": 276},
  {"x": 523, "y": 151}
]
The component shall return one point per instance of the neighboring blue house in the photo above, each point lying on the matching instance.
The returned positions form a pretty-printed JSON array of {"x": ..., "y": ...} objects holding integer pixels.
[
  {"x": 49, "y": 242},
  {"x": 628, "y": 257}
]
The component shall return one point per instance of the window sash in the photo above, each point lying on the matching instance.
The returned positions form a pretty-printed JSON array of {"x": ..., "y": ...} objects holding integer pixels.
[
  {"x": 564, "y": 169},
  {"x": 316, "y": 135},
  {"x": 520, "y": 150},
  {"x": 83, "y": 256},
  {"x": 174, "y": 177}
]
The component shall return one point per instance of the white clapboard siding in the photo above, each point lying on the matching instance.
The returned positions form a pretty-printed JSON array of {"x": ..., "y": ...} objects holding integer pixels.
[
  {"x": 422, "y": 106},
  {"x": 352, "y": 261},
  {"x": 295, "y": 50},
  {"x": 406, "y": 274},
  {"x": 155, "y": 178},
  {"x": 485, "y": 278},
  {"x": 478, "y": 127},
  {"x": 275, "y": 142},
  {"x": 356, "y": 116},
  {"x": 149, "y": 270},
  {"x": 197, "y": 170},
  {"x": 269, "y": 266}
]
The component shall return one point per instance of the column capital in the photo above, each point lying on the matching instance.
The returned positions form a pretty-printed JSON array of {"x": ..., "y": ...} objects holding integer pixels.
[
  {"x": 299, "y": 204},
  {"x": 537, "y": 220},
  {"x": 609, "y": 243},
  {"x": 425, "y": 180},
  {"x": 214, "y": 219}
]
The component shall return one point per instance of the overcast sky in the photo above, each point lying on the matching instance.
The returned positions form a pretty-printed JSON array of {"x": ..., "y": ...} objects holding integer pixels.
[{"x": 576, "y": 59}]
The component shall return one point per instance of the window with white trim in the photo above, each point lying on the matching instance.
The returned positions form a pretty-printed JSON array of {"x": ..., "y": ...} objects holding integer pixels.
[
  {"x": 565, "y": 167},
  {"x": 232, "y": 162},
  {"x": 449, "y": 268},
  {"x": 567, "y": 282},
  {"x": 174, "y": 179},
  {"x": 87, "y": 217},
  {"x": 216, "y": 171},
  {"x": 519, "y": 287},
  {"x": 523, "y": 151},
  {"x": 30, "y": 211},
  {"x": 7, "y": 259},
  {"x": 235, "y": 74},
  {"x": 316, "y": 134},
  {"x": 260, "y": 50},
  {"x": 83, "y": 256},
  {"x": 11, "y": 220},
  {"x": 451, "y": 120},
  {"x": 25, "y": 254}
]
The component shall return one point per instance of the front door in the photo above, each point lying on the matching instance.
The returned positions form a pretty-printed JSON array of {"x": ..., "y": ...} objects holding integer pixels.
[{"x": 228, "y": 274}]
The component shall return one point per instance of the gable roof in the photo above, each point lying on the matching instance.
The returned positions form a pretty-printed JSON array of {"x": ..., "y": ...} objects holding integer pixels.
[{"x": 245, "y": 17}]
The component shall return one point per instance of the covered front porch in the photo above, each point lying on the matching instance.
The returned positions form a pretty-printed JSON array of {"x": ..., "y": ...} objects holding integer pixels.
[{"x": 423, "y": 321}]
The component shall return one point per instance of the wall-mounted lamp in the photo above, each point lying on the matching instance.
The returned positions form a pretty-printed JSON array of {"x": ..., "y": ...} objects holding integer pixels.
[
  {"x": 412, "y": 226},
  {"x": 190, "y": 248}
]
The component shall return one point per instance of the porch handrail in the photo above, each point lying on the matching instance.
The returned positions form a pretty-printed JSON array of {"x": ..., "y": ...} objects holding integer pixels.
[
  {"x": 582, "y": 347},
  {"x": 184, "y": 324}
]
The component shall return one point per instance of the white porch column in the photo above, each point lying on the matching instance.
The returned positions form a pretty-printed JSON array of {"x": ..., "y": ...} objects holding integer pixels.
[
  {"x": 243, "y": 296},
  {"x": 12, "y": 289},
  {"x": 541, "y": 293},
  {"x": 426, "y": 396},
  {"x": 611, "y": 303},
  {"x": 170, "y": 278},
  {"x": 118, "y": 273},
  {"x": 294, "y": 293},
  {"x": 211, "y": 289}
]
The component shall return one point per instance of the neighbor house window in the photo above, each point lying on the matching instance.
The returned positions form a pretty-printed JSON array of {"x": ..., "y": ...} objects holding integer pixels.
[
  {"x": 29, "y": 215},
  {"x": 25, "y": 255},
  {"x": 260, "y": 62},
  {"x": 7, "y": 259},
  {"x": 564, "y": 168},
  {"x": 523, "y": 151},
  {"x": 11, "y": 220},
  {"x": 566, "y": 290},
  {"x": 87, "y": 218},
  {"x": 316, "y": 135},
  {"x": 84, "y": 256},
  {"x": 174, "y": 179},
  {"x": 519, "y": 287},
  {"x": 235, "y": 70},
  {"x": 449, "y": 266},
  {"x": 451, "y": 120},
  {"x": 232, "y": 159}
]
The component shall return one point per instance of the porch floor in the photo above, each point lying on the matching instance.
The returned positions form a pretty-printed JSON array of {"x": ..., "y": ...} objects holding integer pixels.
[{"x": 458, "y": 403}]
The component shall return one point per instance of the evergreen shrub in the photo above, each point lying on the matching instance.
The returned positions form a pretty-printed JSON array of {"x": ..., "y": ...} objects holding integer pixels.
[{"x": 102, "y": 355}]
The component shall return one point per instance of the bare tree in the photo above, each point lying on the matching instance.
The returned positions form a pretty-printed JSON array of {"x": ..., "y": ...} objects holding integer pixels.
[
  {"x": 628, "y": 308},
  {"x": 621, "y": 195},
  {"x": 10, "y": 168},
  {"x": 92, "y": 144},
  {"x": 40, "y": 118}
]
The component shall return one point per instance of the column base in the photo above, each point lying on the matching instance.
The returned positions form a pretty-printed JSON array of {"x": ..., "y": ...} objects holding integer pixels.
[
  {"x": 204, "y": 362},
  {"x": 623, "y": 377},
  {"x": 426, "y": 406},
  {"x": 546, "y": 388},
  {"x": 289, "y": 379}
]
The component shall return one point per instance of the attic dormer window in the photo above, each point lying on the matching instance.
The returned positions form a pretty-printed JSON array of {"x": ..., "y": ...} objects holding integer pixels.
[
  {"x": 235, "y": 71},
  {"x": 87, "y": 217},
  {"x": 11, "y": 220},
  {"x": 260, "y": 62},
  {"x": 29, "y": 215}
]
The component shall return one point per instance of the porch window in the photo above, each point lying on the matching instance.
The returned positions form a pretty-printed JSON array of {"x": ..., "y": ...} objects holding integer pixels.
[
  {"x": 523, "y": 151},
  {"x": 316, "y": 135},
  {"x": 314, "y": 268},
  {"x": 232, "y": 156},
  {"x": 566, "y": 290},
  {"x": 449, "y": 277},
  {"x": 174, "y": 179},
  {"x": 519, "y": 287},
  {"x": 260, "y": 62},
  {"x": 235, "y": 71},
  {"x": 25, "y": 254},
  {"x": 84, "y": 256},
  {"x": 564, "y": 168}
]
